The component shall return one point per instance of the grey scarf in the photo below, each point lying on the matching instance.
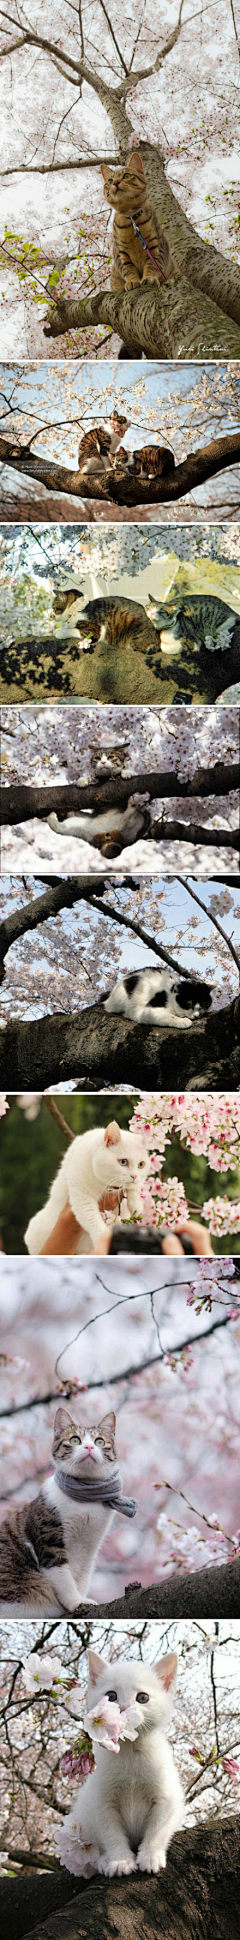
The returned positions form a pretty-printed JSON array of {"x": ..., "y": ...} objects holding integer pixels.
[{"x": 108, "y": 1492}]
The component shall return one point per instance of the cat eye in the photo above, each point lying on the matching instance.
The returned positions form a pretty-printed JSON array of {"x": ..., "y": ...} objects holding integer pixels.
[
  {"x": 100, "y": 1438},
  {"x": 113, "y": 1697},
  {"x": 142, "y": 1697},
  {"x": 140, "y": 1162},
  {"x": 123, "y": 1161}
]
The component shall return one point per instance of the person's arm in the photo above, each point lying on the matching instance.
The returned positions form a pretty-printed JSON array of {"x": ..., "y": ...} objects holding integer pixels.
[{"x": 65, "y": 1235}]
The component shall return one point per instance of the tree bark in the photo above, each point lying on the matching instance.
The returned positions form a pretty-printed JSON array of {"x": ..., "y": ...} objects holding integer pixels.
[
  {"x": 94, "y": 1045},
  {"x": 168, "y": 322},
  {"x": 118, "y": 486},
  {"x": 196, "y": 1898},
  {"x": 209, "y": 1592},
  {"x": 20, "y": 800}
]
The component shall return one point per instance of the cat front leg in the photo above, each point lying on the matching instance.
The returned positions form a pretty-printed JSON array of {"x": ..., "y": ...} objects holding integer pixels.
[
  {"x": 152, "y": 1854},
  {"x": 88, "y": 1215},
  {"x": 116, "y": 1856},
  {"x": 134, "y": 1201},
  {"x": 62, "y": 1581},
  {"x": 153, "y": 1015}
]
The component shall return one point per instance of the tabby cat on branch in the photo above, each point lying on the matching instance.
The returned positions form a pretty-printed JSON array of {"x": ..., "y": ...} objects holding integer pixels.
[
  {"x": 97, "y": 446},
  {"x": 126, "y": 190}
]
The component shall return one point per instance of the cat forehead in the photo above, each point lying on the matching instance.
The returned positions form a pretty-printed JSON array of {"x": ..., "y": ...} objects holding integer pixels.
[{"x": 64, "y": 1423}]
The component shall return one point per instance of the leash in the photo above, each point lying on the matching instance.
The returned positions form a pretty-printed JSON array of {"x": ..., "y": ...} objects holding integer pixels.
[{"x": 138, "y": 232}]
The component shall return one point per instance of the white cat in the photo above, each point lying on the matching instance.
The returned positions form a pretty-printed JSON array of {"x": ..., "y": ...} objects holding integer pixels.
[
  {"x": 132, "y": 1804},
  {"x": 159, "y": 997},
  {"x": 97, "y": 1162},
  {"x": 48, "y": 1546}
]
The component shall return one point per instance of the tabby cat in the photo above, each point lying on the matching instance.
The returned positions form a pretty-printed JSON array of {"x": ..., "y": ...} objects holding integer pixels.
[
  {"x": 113, "y": 620},
  {"x": 97, "y": 447},
  {"x": 151, "y": 461},
  {"x": 126, "y": 190}
]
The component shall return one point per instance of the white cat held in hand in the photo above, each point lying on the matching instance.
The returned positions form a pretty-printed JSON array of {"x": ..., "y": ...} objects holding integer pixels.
[
  {"x": 98, "y": 1161},
  {"x": 128, "y": 1810}
]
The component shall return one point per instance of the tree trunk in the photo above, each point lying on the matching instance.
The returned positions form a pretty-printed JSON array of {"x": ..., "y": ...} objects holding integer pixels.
[
  {"x": 95, "y": 1046},
  {"x": 197, "y": 1898},
  {"x": 168, "y": 322}
]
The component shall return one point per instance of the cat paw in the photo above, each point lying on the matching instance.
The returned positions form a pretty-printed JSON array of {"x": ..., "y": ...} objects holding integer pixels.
[
  {"x": 117, "y": 1866},
  {"x": 151, "y": 1859}
]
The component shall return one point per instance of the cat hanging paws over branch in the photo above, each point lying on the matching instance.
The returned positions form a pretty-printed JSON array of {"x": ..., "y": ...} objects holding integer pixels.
[{"x": 111, "y": 831}]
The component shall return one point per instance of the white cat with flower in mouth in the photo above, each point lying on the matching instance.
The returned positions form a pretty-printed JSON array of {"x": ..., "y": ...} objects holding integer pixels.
[
  {"x": 98, "y": 1162},
  {"x": 126, "y": 1813}
]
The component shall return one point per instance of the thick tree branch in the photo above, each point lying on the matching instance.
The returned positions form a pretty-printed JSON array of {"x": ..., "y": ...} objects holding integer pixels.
[
  {"x": 119, "y": 486},
  {"x": 166, "y": 321},
  {"x": 21, "y": 800},
  {"x": 196, "y": 1898},
  {"x": 211, "y": 1591},
  {"x": 92, "y": 1045}
]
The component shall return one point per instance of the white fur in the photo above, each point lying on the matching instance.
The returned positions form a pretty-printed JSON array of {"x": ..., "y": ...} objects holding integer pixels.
[
  {"x": 132, "y": 1804},
  {"x": 128, "y": 822},
  {"x": 96, "y": 1162},
  {"x": 135, "y": 1004}
]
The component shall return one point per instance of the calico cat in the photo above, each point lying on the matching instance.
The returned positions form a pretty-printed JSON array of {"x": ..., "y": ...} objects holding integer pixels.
[
  {"x": 126, "y": 189},
  {"x": 159, "y": 997},
  {"x": 113, "y": 620},
  {"x": 97, "y": 447},
  {"x": 110, "y": 832},
  {"x": 127, "y": 1811},
  {"x": 98, "y": 1161},
  {"x": 48, "y": 1546}
]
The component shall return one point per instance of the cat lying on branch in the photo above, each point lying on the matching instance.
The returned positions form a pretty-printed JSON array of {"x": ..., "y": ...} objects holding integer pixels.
[{"x": 159, "y": 997}]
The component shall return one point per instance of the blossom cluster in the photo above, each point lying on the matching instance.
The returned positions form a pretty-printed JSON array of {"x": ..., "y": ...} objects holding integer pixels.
[{"x": 209, "y": 1125}]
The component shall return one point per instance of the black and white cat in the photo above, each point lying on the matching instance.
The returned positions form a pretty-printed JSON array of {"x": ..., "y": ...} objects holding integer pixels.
[
  {"x": 48, "y": 1546},
  {"x": 159, "y": 997},
  {"x": 126, "y": 1813}
]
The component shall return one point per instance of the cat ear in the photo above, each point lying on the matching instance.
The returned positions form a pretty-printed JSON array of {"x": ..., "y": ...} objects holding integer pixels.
[
  {"x": 166, "y": 1669},
  {"x": 112, "y": 1134},
  {"x": 109, "y": 1423},
  {"x": 62, "y": 1418},
  {"x": 104, "y": 170},
  {"x": 135, "y": 162},
  {"x": 96, "y": 1666}
]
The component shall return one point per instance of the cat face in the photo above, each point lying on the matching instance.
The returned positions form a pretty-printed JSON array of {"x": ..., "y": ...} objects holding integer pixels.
[
  {"x": 118, "y": 423},
  {"x": 83, "y": 1450},
  {"x": 125, "y": 187},
  {"x": 120, "y": 1160},
  {"x": 148, "y": 1686}
]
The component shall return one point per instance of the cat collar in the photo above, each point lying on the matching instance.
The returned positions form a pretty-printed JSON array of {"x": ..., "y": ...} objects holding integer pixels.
[
  {"x": 138, "y": 232},
  {"x": 109, "y": 1492}
]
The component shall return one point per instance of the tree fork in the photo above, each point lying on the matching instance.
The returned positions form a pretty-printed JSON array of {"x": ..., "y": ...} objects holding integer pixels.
[
  {"x": 168, "y": 321},
  {"x": 119, "y": 486}
]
